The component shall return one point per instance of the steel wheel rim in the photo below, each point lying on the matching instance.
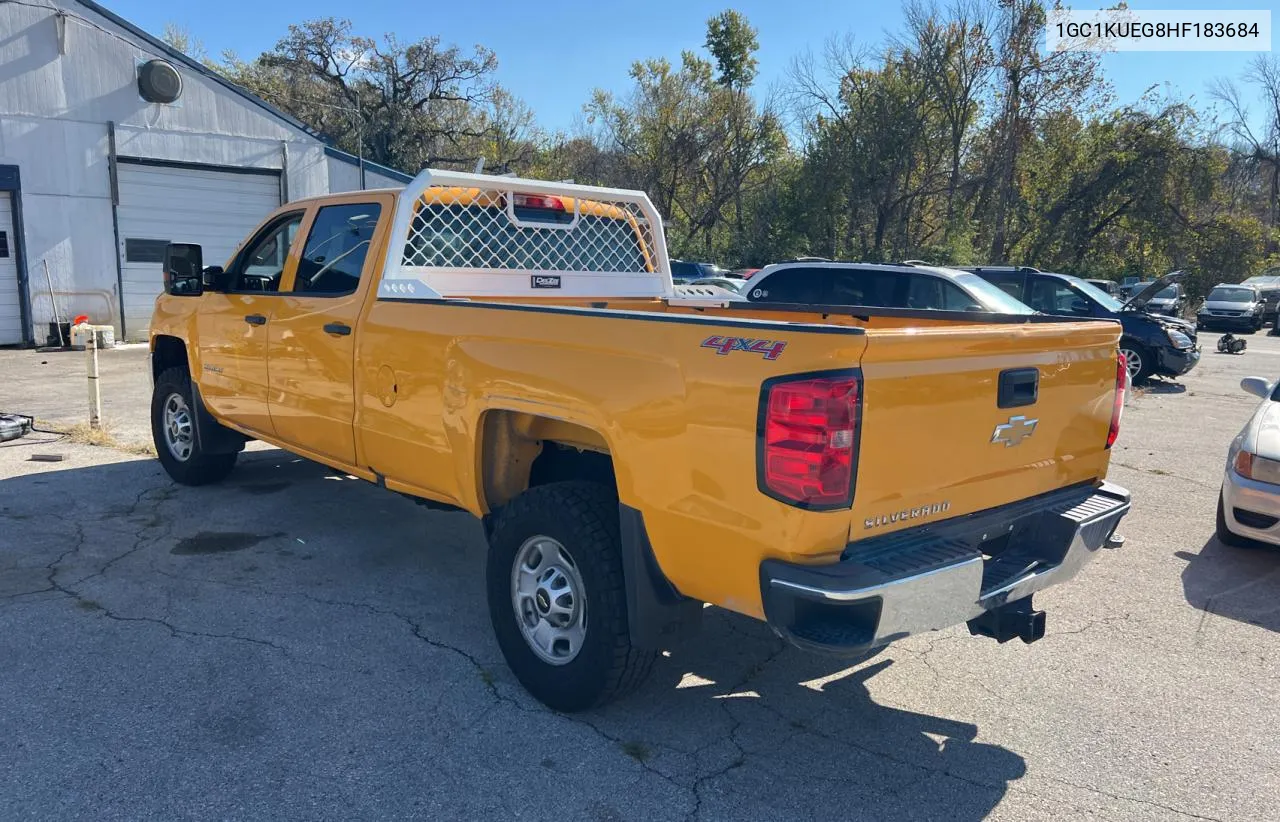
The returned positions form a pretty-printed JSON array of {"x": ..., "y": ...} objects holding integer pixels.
[
  {"x": 1133, "y": 360},
  {"x": 549, "y": 599},
  {"x": 179, "y": 435}
]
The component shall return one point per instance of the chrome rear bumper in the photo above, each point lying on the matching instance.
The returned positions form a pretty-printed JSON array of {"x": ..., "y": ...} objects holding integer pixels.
[{"x": 940, "y": 574}]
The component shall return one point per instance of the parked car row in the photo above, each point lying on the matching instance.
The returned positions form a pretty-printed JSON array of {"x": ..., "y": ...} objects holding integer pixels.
[
  {"x": 1153, "y": 343},
  {"x": 1156, "y": 341}
]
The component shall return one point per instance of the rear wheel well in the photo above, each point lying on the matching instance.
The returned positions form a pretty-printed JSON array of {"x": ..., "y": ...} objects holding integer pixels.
[
  {"x": 561, "y": 463},
  {"x": 520, "y": 451},
  {"x": 168, "y": 352}
]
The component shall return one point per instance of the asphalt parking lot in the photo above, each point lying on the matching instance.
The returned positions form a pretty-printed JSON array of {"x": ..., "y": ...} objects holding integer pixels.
[{"x": 296, "y": 645}]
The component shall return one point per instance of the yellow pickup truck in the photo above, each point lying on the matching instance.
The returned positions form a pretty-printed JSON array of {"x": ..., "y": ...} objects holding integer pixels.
[{"x": 516, "y": 349}]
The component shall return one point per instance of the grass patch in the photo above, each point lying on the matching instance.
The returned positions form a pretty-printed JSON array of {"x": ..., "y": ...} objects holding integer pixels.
[
  {"x": 486, "y": 676},
  {"x": 88, "y": 605},
  {"x": 636, "y": 750},
  {"x": 1159, "y": 472},
  {"x": 82, "y": 434}
]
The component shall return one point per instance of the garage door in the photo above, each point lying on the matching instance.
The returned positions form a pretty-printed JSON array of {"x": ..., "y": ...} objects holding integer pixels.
[
  {"x": 160, "y": 204},
  {"x": 10, "y": 309}
]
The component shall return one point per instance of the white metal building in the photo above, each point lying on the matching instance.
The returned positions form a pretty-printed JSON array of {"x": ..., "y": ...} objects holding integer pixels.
[{"x": 113, "y": 144}]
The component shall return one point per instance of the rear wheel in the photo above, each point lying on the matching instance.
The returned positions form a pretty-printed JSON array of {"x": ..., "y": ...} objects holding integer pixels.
[
  {"x": 1138, "y": 360},
  {"x": 173, "y": 430},
  {"x": 557, "y": 599}
]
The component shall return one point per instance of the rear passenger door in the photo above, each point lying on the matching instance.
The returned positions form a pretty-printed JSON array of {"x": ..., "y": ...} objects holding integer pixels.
[
  {"x": 311, "y": 344},
  {"x": 804, "y": 286},
  {"x": 868, "y": 286}
]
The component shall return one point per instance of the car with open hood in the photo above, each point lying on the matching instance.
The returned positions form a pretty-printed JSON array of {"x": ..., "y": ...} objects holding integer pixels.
[
  {"x": 1153, "y": 344},
  {"x": 1232, "y": 308}
]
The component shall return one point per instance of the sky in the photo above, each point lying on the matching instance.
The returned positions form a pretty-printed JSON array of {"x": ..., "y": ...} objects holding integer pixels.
[{"x": 552, "y": 53}]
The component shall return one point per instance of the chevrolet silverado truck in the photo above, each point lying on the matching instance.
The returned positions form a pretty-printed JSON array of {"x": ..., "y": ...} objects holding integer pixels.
[{"x": 516, "y": 349}]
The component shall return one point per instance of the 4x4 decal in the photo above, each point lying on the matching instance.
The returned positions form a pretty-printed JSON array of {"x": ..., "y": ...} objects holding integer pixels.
[{"x": 771, "y": 349}]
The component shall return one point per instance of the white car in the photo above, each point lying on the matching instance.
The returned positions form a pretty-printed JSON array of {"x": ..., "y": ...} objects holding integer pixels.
[{"x": 1249, "y": 505}]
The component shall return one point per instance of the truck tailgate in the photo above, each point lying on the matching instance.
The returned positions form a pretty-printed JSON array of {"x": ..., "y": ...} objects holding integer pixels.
[{"x": 935, "y": 441}]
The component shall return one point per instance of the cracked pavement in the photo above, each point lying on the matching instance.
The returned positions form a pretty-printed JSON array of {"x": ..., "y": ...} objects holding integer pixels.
[{"x": 293, "y": 644}]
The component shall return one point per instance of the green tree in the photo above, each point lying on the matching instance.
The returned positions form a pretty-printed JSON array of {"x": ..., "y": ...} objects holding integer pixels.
[{"x": 732, "y": 43}]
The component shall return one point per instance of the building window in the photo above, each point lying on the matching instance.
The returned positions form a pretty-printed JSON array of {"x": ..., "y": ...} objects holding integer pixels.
[
  {"x": 4, "y": 245},
  {"x": 144, "y": 251}
]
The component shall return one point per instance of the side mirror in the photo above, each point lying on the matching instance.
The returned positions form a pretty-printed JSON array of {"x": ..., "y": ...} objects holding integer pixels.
[
  {"x": 182, "y": 269},
  {"x": 214, "y": 278},
  {"x": 1256, "y": 386}
]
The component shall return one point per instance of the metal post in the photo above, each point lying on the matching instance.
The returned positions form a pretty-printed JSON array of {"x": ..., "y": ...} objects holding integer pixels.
[
  {"x": 53, "y": 301},
  {"x": 95, "y": 396}
]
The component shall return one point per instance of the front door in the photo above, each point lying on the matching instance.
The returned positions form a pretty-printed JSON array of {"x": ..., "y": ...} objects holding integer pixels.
[
  {"x": 233, "y": 324},
  {"x": 311, "y": 356}
]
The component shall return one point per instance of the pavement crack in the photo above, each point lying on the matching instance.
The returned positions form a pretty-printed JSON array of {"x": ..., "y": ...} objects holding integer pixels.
[
  {"x": 1134, "y": 799},
  {"x": 1095, "y": 623},
  {"x": 183, "y": 632},
  {"x": 142, "y": 538},
  {"x": 1160, "y": 472},
  {"x": 735, "y": 726}
]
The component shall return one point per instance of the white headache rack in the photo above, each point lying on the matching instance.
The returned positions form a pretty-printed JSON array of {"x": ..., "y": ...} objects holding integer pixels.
[{"x": 458, "y": 235}]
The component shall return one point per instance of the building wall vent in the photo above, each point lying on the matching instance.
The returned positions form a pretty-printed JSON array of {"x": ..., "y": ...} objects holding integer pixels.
[{"x": 159, "y": 82}]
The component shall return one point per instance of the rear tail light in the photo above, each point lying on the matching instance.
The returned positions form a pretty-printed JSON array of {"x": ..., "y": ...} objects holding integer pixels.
[
  {"x": 537, "y": 201},
  {"x": 1117, "y": 406},
  {"x": 808, "y": 434}
]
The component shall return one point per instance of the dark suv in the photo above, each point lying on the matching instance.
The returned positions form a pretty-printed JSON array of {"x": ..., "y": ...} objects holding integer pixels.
[{"x": 1152, "y": 344}]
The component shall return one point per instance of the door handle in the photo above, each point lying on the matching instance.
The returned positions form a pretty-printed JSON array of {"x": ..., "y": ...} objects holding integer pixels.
[
  {"x": 255, "y": 319},
  {"x": 337, "y": 329}
]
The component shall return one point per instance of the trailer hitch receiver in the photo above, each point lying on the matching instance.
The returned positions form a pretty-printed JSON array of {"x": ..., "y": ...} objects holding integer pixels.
[{"x": 1013, "y": 619}]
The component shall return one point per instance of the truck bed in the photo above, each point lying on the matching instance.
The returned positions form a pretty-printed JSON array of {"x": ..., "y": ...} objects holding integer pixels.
[{"x": 679, "y": 416}]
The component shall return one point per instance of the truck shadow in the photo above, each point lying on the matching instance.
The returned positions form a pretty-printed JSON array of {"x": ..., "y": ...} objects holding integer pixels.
[
  {"x": 733, "y": 718},
  {"x": 797, "y": 719},
  {"x": 1238, "y": 583}
]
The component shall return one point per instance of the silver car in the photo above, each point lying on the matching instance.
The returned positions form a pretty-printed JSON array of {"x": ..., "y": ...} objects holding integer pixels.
[
  {"x": 1249, "y": 505},
  {"x": 1231, "y": 308}
]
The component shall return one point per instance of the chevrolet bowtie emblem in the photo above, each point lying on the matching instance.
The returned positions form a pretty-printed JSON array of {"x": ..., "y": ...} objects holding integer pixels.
[{"x": 1014, "y": 431}]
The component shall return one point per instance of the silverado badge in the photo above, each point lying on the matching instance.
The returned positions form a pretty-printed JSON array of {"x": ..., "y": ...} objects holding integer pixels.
[{"x": 1014, "y": 431}]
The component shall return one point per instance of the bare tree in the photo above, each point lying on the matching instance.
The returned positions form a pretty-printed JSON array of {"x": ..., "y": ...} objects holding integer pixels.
[{"x": 1261, "y": 145}]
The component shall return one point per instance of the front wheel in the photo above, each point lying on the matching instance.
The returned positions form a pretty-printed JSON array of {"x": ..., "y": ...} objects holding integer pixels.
[
  {"x": 557, "y": 599},
  {"x": 173, "y": 430},
  {"x": 1138, "y": 360}
]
